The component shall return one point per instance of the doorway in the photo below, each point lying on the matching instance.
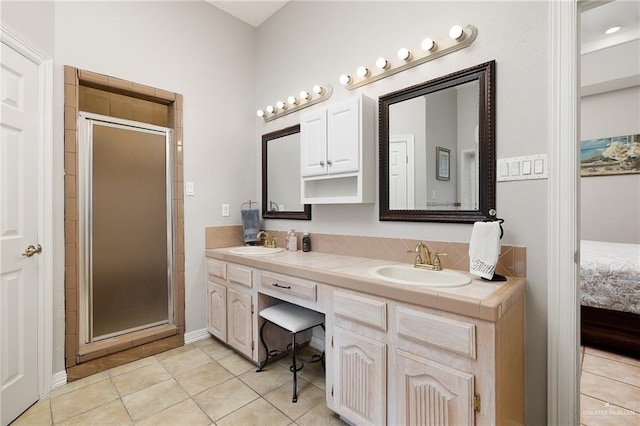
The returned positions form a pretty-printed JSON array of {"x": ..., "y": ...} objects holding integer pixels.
[{"x": 125, "y": 222}]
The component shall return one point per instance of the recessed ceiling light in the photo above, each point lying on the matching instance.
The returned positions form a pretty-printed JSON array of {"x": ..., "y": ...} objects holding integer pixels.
[{"x": 612, "y": 30}]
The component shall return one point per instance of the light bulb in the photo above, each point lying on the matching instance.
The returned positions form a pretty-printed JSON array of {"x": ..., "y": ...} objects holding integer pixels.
[
  {"x": 281, "y": 105},
  {"x": 345, "y": 79},
  {"x": 363, "y": 72},
  {"x": 318, "y": 90},
  {"x": 382, "y": 63},
  {"x": 304, "y": 95},
  {"x": 271, "y": 109},
  {"x": 456, "y": 32},
  {"x": 292, "y": 100},
  {"x": 428, "y": 44},
  {"x": 612, "y": 30},
  {"x": 404, "y": 54},
  {"x": 260, "y": 113}
]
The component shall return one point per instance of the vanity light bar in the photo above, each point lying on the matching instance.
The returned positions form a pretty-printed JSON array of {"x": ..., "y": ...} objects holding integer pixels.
[
  {"x": 430, "y": 49},
  {"x": 305, "y": 99}
]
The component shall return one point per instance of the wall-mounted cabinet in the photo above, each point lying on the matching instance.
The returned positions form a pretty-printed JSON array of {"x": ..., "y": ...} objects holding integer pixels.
[{"x": 337, "y": 153}]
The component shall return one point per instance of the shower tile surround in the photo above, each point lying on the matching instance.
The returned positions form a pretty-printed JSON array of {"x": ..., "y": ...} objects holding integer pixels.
[
  {"x": 123, "y": 99},
  {"x": 512, "y": 260}
]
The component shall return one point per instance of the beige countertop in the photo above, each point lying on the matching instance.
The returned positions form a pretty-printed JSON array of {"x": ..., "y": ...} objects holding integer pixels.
[{"x": 485, "y": 300}]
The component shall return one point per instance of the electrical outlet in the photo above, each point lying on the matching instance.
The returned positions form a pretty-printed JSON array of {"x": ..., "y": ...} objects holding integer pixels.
[{"x": 225, "y": 210}]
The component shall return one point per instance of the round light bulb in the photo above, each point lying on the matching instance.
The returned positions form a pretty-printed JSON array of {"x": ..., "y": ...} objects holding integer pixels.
[
  {"x": 260, "y": 113},
  {"x": 318, "y": 90},
  {"x": 345, "y": 79},
  {"x": 363, "y": 72},
  {"x": 456, "y": 32},
  {"x": 271, "y": 109},
  {"x": 612, "y": 30},
  {"x": 428, "y": 44},
  {"x": 404, "y": 54},
  {"x": 382, "y": 63},
  {"x": 292, "y": 100},
  {"x": 281, "y": 105},
  {"x": 304, "y": 95}
]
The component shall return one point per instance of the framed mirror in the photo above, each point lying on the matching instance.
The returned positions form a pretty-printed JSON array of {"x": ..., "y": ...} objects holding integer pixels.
[
  {"x": 437, "y": 149},
  {"x": 281, "y": 176}
]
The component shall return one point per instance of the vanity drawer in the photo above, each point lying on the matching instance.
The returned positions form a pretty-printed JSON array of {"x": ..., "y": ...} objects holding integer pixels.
[
  {"x": 216, "y": 268},
  {"x": 286, "y": 285},
  {"x": 365, "y": 310},
  {"x": 240, "y": 275},
  {"x": 445, "y": 333}
]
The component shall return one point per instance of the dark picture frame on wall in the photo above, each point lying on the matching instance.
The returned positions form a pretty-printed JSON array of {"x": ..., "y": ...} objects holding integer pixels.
[{"x": 443, "y": 163}]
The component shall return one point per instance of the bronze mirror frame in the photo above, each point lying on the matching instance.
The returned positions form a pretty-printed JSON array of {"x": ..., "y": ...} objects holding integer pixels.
[
  {"x": 305, "y": 214},
  {"x": 485, "y": 75}
]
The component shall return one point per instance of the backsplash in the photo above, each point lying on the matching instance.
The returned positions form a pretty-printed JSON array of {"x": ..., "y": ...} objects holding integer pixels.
[{"x": 512, "y": 261}]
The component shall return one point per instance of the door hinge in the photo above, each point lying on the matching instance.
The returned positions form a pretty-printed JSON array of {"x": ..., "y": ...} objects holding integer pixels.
[
  {"x": 252, "y": 308},
  {"x": 477, "y": 403},
  {"x": 253, "y": 345},
  {"x": 331, "y": 341},
  {"x": 331, "y": 390}
]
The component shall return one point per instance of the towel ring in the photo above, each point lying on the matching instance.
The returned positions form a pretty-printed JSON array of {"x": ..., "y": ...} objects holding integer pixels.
[{"x": 493, "y": 218}]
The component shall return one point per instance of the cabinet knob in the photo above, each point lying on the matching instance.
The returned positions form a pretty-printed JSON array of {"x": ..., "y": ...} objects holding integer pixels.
[
  {"x": 328, "y": 162},
  {"x": 321, "y": 163}
]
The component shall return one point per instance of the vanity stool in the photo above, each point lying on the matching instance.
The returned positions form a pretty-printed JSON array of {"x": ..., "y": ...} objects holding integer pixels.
[{"x": 294, "y": 319}]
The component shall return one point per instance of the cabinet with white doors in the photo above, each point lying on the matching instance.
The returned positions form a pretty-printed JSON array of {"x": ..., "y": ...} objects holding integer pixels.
[{"x": 337, "y": 153}]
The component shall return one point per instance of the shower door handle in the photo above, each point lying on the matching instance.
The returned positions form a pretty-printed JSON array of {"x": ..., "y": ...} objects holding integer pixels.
[{"x": 31, "y": 250}]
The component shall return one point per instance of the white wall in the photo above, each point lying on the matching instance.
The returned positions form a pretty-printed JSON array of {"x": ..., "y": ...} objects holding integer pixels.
[
  {"x": 186, "y": 47},
  {"x": 306, "y": 43}
]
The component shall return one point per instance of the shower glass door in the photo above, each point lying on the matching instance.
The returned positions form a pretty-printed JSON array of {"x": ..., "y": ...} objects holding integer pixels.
[{"x": 125, "y": 226}]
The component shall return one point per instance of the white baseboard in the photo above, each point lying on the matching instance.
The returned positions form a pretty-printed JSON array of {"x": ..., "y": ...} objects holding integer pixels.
[
  {"x": 194, "y": 336},
  {"x": 59, "y": 379}
]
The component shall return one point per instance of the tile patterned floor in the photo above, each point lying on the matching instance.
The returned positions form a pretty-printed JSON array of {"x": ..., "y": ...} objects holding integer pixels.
[
  {"x": 609, "y": 389},
  {"x": 203, "y": 383},
  {"x": 206, "y": 383}
]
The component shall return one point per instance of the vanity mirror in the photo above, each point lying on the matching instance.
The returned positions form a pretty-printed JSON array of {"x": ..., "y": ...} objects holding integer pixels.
[
  {"x": 281, "y": 176},
  {"x": 437, "y": 149}
]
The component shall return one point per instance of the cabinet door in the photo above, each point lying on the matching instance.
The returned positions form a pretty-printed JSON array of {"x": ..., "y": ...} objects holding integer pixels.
[
  {"x": 313, "y": 143},
  {"x": 430, "y": 393},
  {"x": 343, "y": 136},
  {"x": 360, "y": 368},
  {"x": 239, "y": 330},
  {"x": 217, "y": 310}
]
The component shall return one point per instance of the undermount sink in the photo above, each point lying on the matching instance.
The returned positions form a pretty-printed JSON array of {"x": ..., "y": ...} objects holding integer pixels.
[
  {"x": 255, "y": 250},
  {"x": 409, "y": 275}
]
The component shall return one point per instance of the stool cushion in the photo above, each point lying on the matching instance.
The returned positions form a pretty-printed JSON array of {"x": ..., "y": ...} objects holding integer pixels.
[{"x": 293, "y": 318}]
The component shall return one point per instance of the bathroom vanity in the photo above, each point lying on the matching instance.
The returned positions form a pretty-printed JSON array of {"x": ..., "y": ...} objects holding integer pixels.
[{"x": 395, "y": 353}]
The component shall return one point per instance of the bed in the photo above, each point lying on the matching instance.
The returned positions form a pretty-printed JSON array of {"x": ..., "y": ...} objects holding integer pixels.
[{"x": 610, "y": 296}]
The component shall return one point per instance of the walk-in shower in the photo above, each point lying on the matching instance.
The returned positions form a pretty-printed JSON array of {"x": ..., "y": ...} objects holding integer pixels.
[{"x": 125, "y": 226}]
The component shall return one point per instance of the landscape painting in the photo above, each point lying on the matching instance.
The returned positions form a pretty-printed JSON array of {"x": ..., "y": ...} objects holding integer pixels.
[{"x": 616, "y": 155}]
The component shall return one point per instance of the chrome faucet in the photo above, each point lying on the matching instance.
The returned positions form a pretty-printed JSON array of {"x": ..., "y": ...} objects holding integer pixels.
[
  {"x": 424, "y": 258},
  {"x": 269, "y": 241}
]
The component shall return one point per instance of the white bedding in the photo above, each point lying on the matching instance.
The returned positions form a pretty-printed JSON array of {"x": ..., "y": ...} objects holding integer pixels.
[{"x": 610, "y": 276}]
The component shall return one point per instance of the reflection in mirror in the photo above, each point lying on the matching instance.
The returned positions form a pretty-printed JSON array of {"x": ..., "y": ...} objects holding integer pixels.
[
  {"x": 437, "y": 154},
  {"x": 281, "y": 176}
]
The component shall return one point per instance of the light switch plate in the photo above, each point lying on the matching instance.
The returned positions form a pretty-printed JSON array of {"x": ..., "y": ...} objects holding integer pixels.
[
  {"x": 522, "y": 168},
  {"x": 189, "y": 188},
  {"x": 225, "y": 210}
]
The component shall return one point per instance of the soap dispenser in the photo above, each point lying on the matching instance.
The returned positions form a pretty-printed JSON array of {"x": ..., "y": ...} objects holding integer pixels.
[
  {"x": 292, "y": 240},
  {"x": 306, "y": 242}
]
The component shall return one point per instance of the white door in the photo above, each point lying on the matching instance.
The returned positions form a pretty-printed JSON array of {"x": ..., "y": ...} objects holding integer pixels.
[
  {"x": 401, "y": 173},
  {"x": 19, "y": 130}
]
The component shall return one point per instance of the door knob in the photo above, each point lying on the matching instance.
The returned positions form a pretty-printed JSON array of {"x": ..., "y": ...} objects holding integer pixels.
[{"x": 31, "y": 250}]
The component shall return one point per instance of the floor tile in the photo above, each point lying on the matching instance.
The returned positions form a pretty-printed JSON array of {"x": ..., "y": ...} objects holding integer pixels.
[
  {"x": 82, "y": 400},
  {"x": 116, "y": 371},
  {"x": 614, "y": 392},
  {"x": 186, "y": 361},
  {"x": 615, "y": 370},
  {"x": 215, "y": 349},
  {"x": 309, "y": 396},
  {"x": 225, "y": 398},
  {"x": 186, "y": 412},
  {"x": 204, "y": 377},
  {"x": 237, "y": 364},
  {"x": 154, "y": 399},
  {"x": 38, "y": 414},
  {"x": 140, "y": 378},
  {"x": 78, "y": 384},
  {"x": 268, "y": 379},
  {"x": 112, "y": 413},
  {"x": 613, "y": 356},
  {"x": 320, "y": 416},
  {"x": 257, "y": 413},
  {"x": 594, "y": 412},
  {"x": 173, "y": 352}
]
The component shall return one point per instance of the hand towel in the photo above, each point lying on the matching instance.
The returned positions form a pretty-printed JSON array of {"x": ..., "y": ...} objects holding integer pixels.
[
  {"x": 484, "y": 248},
  {"x": 250, "y": 224}
]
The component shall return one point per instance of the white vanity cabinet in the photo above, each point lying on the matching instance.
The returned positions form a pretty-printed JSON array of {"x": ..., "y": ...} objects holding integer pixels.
[
  {"x": 357, "y": 357},
  {"x": 337, "y": 153},
  {"x": 230, "y": 310}
]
